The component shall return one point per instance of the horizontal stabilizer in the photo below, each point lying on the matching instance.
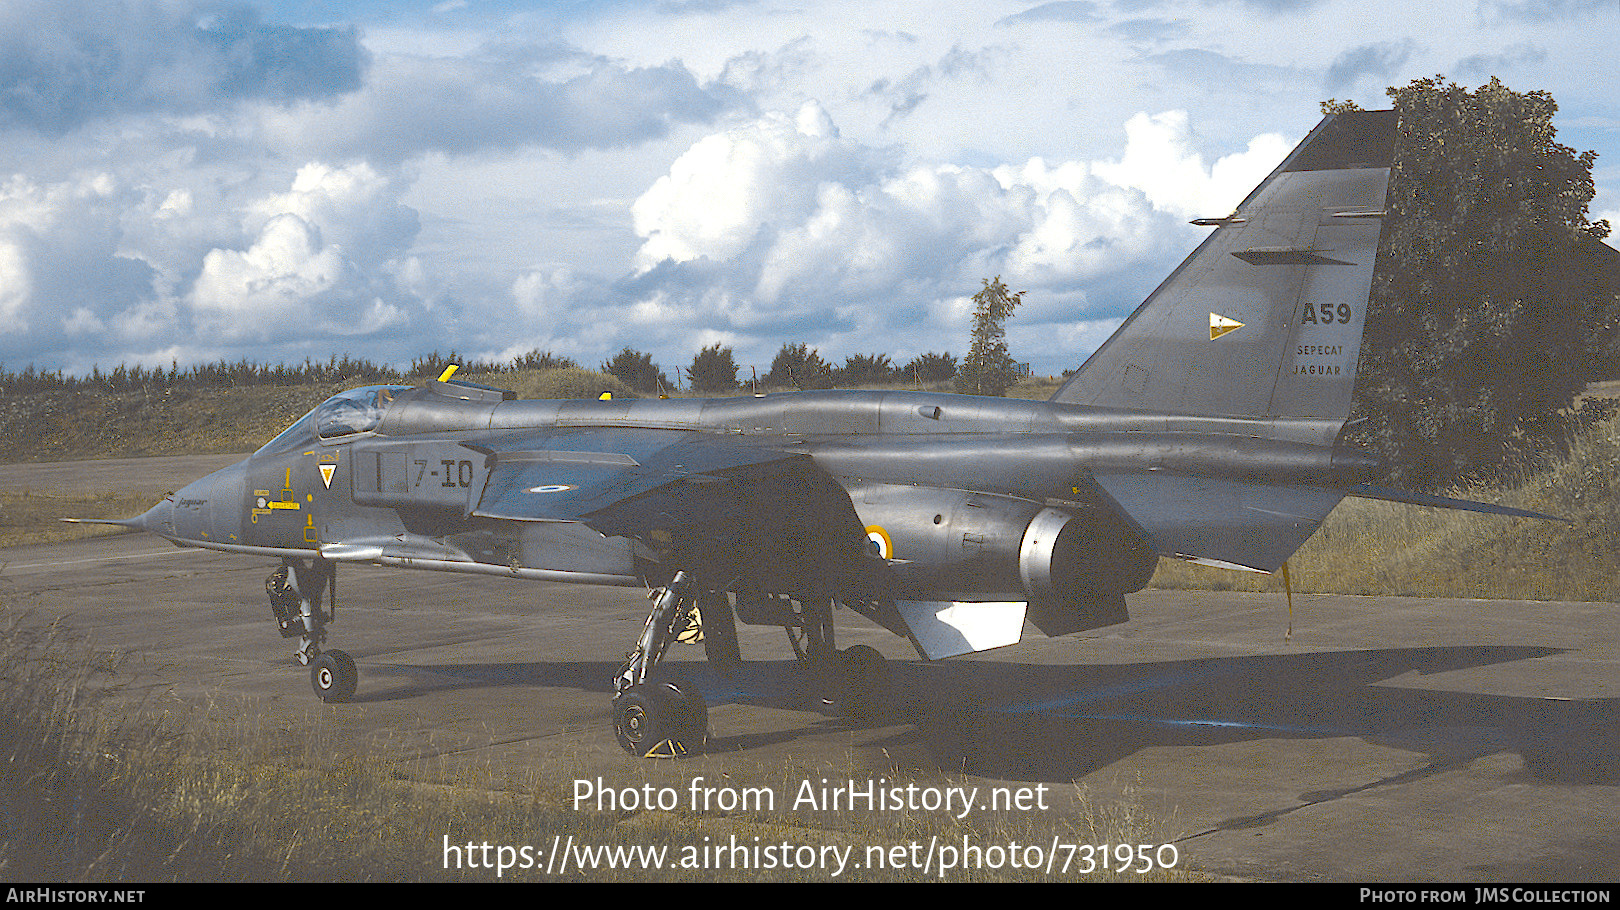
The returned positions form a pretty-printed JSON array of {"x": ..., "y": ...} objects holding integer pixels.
[
  {"x": 1239, "y": 523},
  {"x": 1368, "y": 491}
]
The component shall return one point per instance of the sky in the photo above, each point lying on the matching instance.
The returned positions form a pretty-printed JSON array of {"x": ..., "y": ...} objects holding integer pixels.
[{"x": 185, "y": 181}]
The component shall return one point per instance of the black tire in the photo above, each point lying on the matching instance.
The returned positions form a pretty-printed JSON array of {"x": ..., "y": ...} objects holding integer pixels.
[
  {"x": 864, "y": 681},
  {"x": 720, "y": 633},
  {"x": 333, "y": 676},
  {"x": 660, "y": 720}
]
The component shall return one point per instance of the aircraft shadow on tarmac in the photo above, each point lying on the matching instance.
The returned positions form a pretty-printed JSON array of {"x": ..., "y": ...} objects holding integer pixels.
[{"x": 1058, "y": 722}]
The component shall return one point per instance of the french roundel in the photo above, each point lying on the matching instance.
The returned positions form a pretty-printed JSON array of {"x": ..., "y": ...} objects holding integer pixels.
[{"x": 880, "y": 541}]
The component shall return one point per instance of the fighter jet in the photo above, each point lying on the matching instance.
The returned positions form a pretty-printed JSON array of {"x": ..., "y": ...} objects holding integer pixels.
[{"x": 1205, "y": 429}]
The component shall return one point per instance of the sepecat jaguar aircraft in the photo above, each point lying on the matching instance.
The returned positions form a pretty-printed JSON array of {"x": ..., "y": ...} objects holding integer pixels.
[{"x": 1204, "y": 429}]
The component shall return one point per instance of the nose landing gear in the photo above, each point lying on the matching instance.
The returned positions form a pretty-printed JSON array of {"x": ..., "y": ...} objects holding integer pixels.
[{"x": 295, "y": 590}]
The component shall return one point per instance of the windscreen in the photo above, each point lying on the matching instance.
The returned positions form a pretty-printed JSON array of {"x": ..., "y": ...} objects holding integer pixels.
[{"x": 344, "y": 414}]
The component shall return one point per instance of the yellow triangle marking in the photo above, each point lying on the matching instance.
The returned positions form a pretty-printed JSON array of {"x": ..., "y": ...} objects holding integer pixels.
[
  {"x": 1219, "y": 325},
  {"x": 326, "y": 474}
]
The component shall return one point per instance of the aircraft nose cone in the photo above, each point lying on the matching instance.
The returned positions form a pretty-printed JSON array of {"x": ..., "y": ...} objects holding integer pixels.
[
  {"x": 204, "y": 510},
  {"x": 159, "y": 519}
]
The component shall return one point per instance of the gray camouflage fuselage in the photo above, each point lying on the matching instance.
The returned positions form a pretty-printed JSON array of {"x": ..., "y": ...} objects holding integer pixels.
[{"x": 945, "y": 492}]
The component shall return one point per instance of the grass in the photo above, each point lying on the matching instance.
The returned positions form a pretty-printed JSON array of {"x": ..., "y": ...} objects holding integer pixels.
[{"x": 35, "y": 518}]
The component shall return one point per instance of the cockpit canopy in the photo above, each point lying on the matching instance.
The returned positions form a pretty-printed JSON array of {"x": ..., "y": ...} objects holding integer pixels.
[{"x": 343, "y": 415}]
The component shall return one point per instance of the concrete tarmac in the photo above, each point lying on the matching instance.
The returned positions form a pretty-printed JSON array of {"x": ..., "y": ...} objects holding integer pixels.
[{"x": 1389, "y": 740}]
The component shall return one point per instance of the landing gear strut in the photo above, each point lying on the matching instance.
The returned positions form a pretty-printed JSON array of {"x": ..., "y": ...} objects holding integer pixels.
[
  {"x": 857, "y": 677},
  {"x": 720, "y": 633},
  {"x": 296, "y": 590},
  {"x": 658, "y": 718}
]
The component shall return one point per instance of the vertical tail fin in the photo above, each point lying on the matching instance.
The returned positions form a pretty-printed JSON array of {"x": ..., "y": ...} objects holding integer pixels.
[{"x": 1264, "y": 319}]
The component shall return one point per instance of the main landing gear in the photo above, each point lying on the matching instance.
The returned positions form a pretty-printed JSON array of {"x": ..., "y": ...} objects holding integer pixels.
[
  {"x": 656, "y": 717},
  {"x": 659, "y": 718},
  {"x": 296, "y": 590},
  {"x": 857, "y": 677}
]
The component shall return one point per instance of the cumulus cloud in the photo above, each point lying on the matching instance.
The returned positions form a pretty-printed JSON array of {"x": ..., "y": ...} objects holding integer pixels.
[
  {"x": 781, "y": 222},
  {"x": 357, "y": 208},
  {"x": 66, "y": 62},
  {"x": 1160, "y": 160},
  {"x": 502, "y": 98},
  {"x": 63, "y": 266},
  {"x": 319, "y": 262},
  {"x": 718, "y": 196}
]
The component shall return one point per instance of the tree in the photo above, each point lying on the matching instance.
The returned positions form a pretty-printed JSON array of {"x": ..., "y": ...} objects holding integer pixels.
[
  {"x": 537, "y": 359},
  {"x": 713, "y": 370},
  {"x": 636, "y": 370},
  {"x": 864, "y": 369},
  {"x": 1475, "y": 341},
  {"x": 988, "y": 370},
  {"x": 929, "y": 368},
  {"x": 798, "y": 367}
]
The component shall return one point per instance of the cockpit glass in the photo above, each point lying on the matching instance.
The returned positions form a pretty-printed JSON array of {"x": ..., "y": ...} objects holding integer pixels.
[
  {"x": 344, "y": 414},
  {"x": 353, "y": 412}
]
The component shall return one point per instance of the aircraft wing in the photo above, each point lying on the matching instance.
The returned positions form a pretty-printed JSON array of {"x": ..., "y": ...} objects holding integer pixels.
[
  {"x": 725, "y": 505},
  {"x": 623, "y": 480}
]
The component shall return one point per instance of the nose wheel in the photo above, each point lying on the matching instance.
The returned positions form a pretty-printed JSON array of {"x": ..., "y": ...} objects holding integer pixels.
[
  {"x": 333, "y": 676},
  {"x": 660, "y": 720}
]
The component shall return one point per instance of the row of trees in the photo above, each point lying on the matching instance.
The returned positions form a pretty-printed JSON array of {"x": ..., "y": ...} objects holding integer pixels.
[
  {"x": 988, "y": 369},
  {"x": 336, "y": 370},
  {"x": 713, "y": 370},
  {"x": 796, "y": 366}
]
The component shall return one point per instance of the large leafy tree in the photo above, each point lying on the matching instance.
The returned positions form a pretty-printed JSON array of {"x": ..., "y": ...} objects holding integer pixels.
[
  {"x": 864, "y": 369},
  {"x": 1475, "y": 337},
  {"x": 988, "y": 369}
]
